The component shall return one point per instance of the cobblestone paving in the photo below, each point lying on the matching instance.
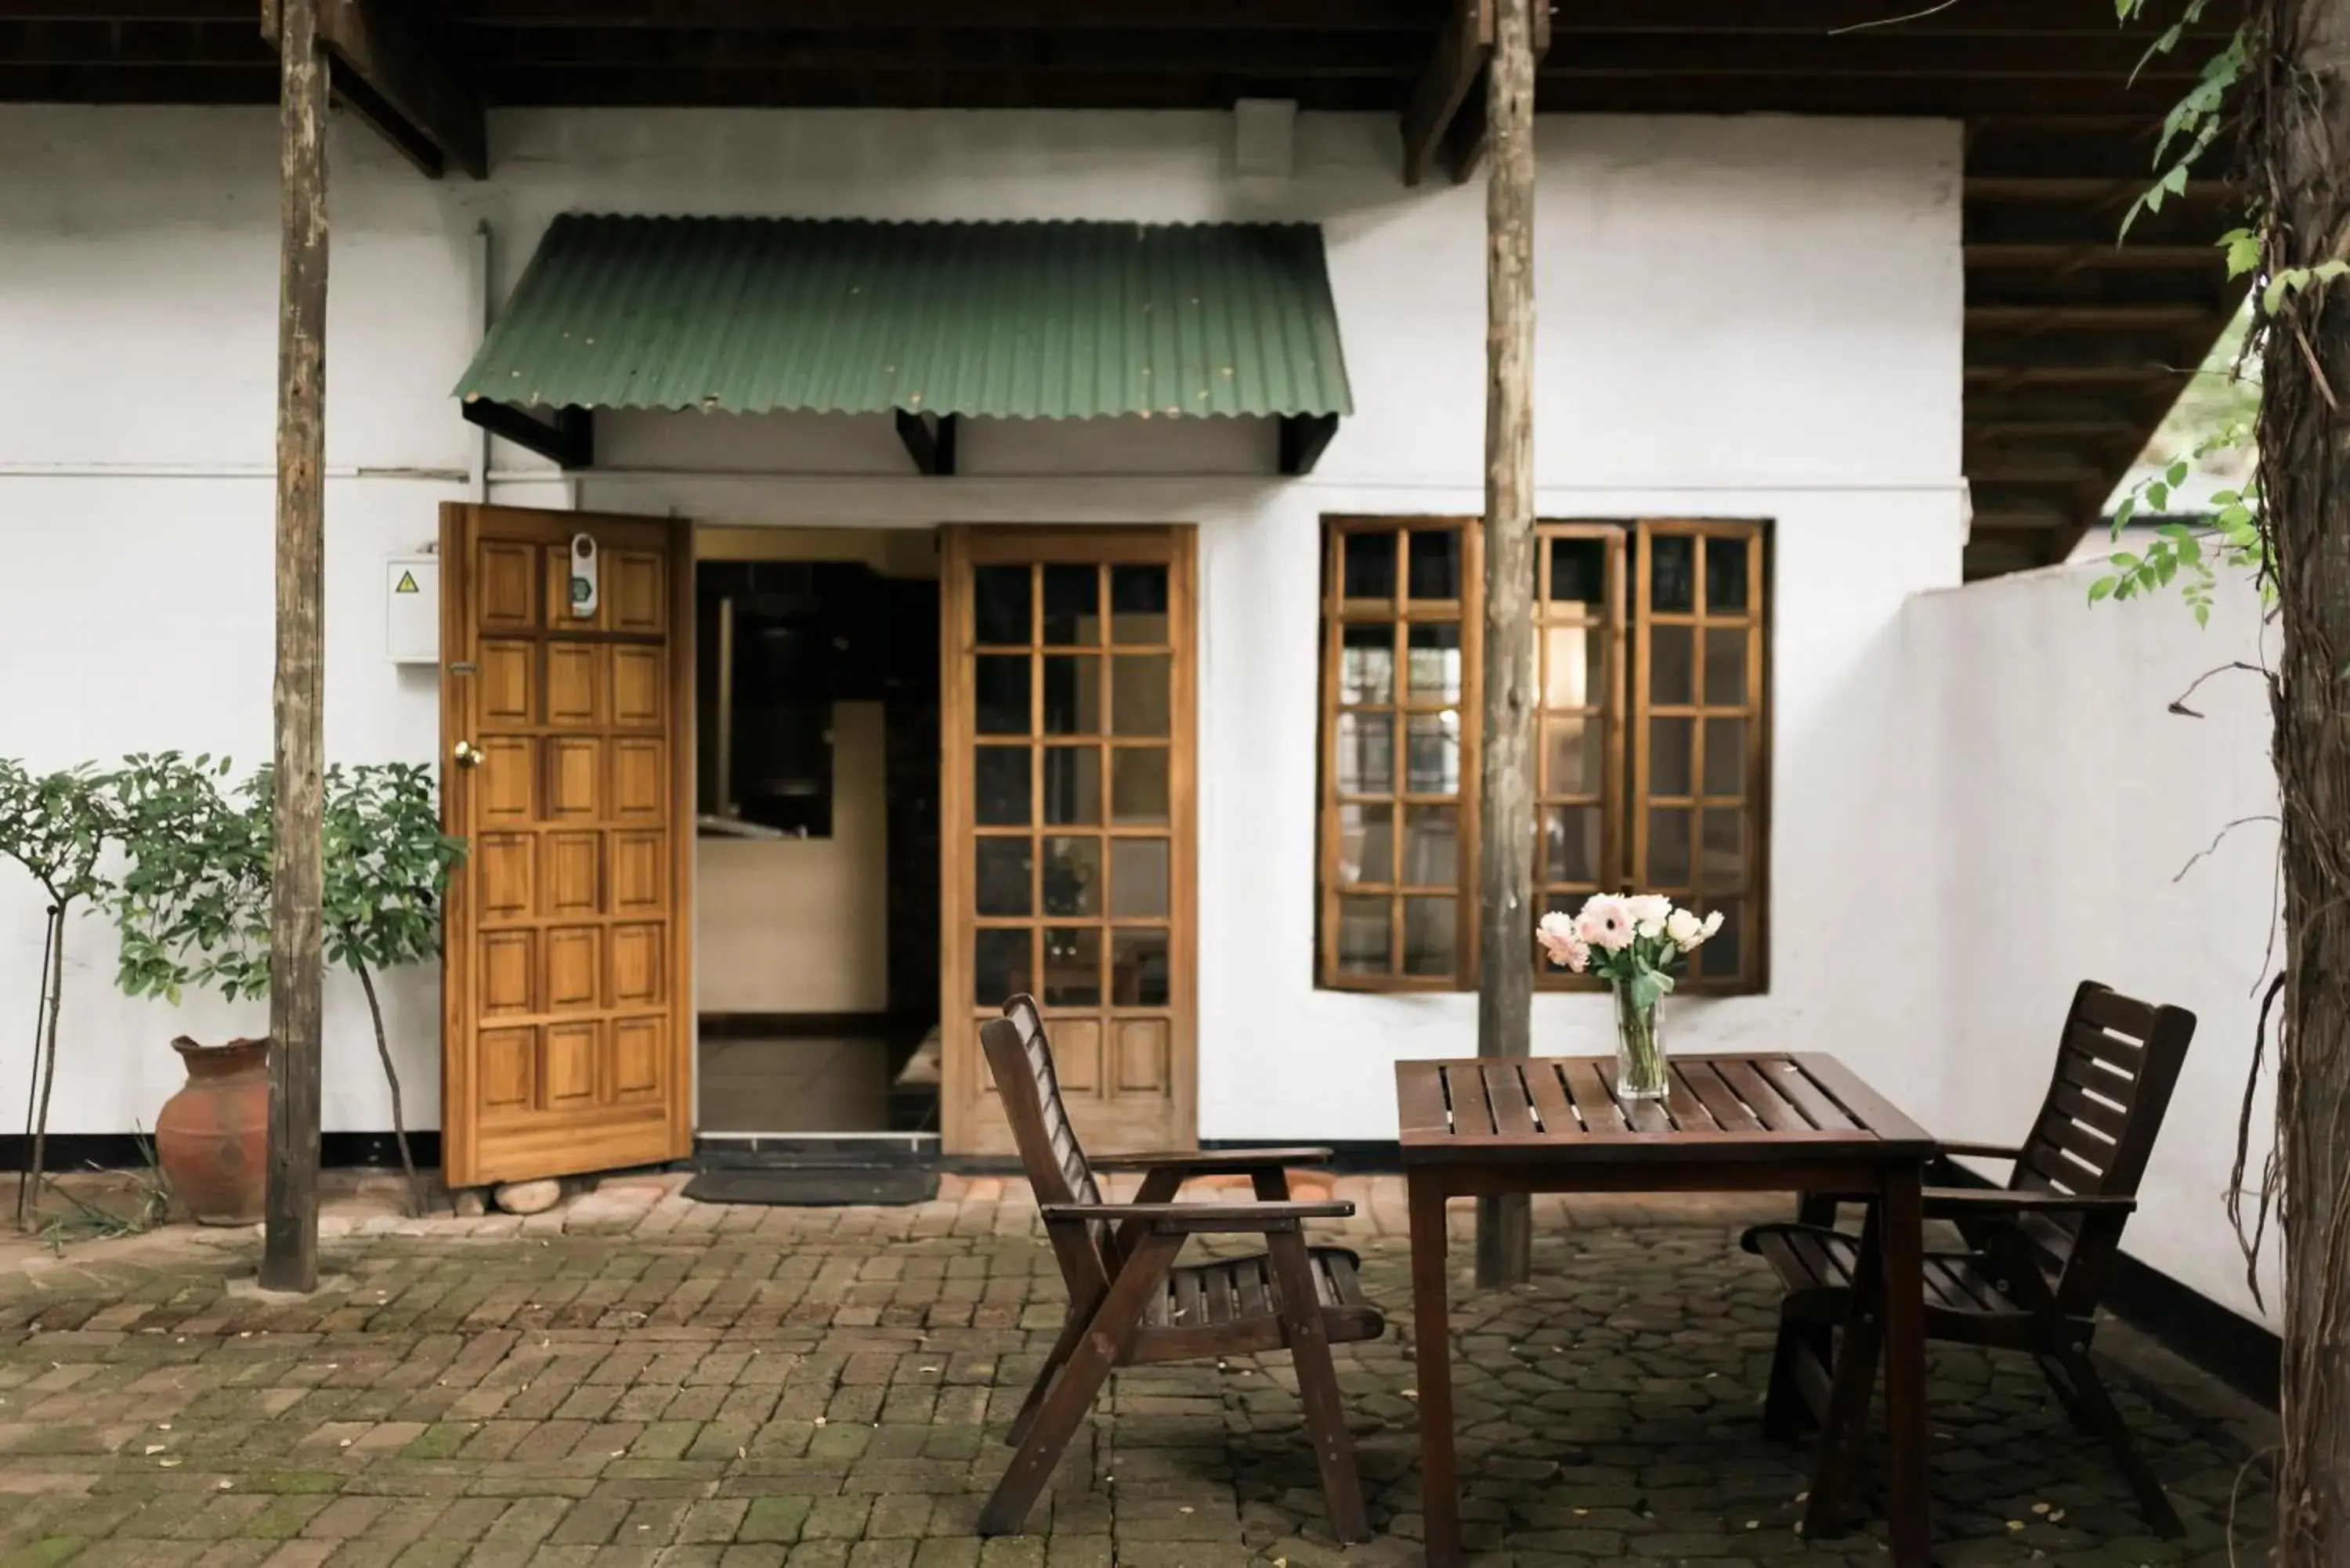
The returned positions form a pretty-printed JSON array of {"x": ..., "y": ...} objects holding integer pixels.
[{"x": 640, "y": 1380}]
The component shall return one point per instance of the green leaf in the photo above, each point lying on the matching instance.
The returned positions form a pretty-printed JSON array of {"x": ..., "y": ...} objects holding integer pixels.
[
  {"x": 2157, "y": 495},
  {"x": 2176, "y": 475},
  {"x": 2244, "y": 249},
  {"x": 2101, "y": 589}
]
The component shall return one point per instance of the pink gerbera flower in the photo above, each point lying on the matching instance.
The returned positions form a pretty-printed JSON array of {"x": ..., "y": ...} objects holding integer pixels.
[{"x": 1606, "y": 923}]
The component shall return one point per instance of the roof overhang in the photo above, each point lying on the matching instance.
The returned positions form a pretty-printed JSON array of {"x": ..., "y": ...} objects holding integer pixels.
[{"x": 929, "y": 323}]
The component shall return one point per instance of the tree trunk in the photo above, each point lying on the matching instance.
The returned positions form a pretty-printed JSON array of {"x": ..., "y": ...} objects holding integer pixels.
[
  {"x": 2301, "y": 136},
  {"x": 416, "y": 1203},
  {"x": 1506, "y": 762},
  {"x": 297, "y": 951},
  {"x": 44, "y": 1061}
]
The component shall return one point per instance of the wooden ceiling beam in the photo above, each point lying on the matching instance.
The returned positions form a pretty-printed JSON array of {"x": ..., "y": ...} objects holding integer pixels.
[
  {"x": 2076, "y": 150},
  {"x": 107, "y": 11},
  {"x": 1843, "y": 20},
  {"x": 1805, "y": 18},
  {"x": 1995, "y": 224},
  {"x": 98, "y": 44},
  {"x": 142, "y": 84},
  {"x": 2035, "y": 409},
  {"x": 2034, "y": 320},
  {"x": 1561, "y": 91},
  {"x": 2091, "y": 190},
  {"x": 1407, "y": 16},
  {"x": 1440, "y": 92},
  {"x": 1990, "y": 256},
  {"x": 388, "y": 73},
  {"x": 954, "y": 52},
  {"x": 1891, "y": 54}
]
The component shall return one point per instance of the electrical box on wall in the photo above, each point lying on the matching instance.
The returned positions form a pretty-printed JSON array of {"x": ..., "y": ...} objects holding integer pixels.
[{"x": 411, "y": 614}]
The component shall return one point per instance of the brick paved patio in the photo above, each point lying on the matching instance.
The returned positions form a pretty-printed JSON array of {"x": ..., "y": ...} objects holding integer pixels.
[{"x": 638, "y": 1379}]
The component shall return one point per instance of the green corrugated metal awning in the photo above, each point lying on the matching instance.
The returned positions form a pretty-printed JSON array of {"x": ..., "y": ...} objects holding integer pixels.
[{"x": 1019, "y": 320}]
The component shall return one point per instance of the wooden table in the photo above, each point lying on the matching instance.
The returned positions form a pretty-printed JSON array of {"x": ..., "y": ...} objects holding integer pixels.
[{"x": 1750, "y": 1123}]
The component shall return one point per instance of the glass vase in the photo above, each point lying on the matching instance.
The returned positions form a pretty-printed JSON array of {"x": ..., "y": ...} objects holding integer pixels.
[{"x": 1639, "y": 1047}]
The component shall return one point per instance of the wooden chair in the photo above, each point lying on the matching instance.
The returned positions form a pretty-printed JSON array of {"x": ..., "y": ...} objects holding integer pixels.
[
  {"x": 1130, "y": 1302},
  {"x": 2036, "y": 1255}
]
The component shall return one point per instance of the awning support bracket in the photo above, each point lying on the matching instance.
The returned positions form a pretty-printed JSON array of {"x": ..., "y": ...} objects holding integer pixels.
[
  {"x": 930, "y": 440},
  {"x": 569, "y": 439},
  {"x": 1303, "y": 437}
]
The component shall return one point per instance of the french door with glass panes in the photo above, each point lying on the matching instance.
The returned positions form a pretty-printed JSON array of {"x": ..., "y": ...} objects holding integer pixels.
[{"x": 1067, "y": 798}]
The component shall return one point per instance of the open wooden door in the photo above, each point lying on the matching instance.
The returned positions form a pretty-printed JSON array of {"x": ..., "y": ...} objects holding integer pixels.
[
  {"x": 1066, "y": 801},
  {"x": 566, "y": 729}
]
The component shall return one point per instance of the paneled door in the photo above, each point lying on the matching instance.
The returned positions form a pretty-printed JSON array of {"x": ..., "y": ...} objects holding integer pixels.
[
  {"x": 566, "y": 723},
  {"x": 1066, "y": 795}
]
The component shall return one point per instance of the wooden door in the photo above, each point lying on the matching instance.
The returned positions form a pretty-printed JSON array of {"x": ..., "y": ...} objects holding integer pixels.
[
  {"x": 1066, "y": 802},
  {"x": 567, "y": 748}
]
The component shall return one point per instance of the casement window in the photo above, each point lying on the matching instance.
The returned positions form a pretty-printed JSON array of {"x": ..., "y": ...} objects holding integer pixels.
[{"x": 1650, "y": 746}]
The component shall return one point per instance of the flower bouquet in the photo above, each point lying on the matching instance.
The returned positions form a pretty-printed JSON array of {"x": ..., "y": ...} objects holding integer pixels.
[{"x": 1633, "y": 943}]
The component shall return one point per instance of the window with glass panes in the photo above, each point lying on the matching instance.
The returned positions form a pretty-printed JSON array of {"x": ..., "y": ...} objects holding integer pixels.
[{"x": 1650, "y": 739}]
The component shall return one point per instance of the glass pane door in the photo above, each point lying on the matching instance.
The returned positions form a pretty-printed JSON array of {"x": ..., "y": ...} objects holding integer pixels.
[{"x": 1069, "y": 806}]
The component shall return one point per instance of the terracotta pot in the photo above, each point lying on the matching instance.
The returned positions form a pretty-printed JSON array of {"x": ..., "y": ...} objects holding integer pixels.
[{"x": 212, "y": 1138}]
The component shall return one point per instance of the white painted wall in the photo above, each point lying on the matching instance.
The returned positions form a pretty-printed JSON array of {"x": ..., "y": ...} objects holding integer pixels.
[
  {"x": 1757, "y": 317},
  {"x": 2069, "y": 800}
]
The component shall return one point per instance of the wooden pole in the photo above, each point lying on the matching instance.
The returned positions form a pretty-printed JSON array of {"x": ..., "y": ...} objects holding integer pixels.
[
  {"x": 1506, "y": 763},
  {"x": 289, "y": 1259}
]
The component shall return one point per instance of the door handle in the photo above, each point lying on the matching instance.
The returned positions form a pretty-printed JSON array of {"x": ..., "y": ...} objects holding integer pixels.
[{"x": 468, "y": 755}]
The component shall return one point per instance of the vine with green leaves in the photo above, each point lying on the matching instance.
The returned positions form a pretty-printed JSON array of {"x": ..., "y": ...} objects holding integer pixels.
[{"x": 2178, "y": 551}]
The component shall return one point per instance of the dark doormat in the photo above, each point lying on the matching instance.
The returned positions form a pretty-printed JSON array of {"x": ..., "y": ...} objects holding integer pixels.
[{"x": 817, "y": 1187}]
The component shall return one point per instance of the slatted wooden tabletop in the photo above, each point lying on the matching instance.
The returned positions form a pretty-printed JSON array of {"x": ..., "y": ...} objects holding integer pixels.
[{"x": 1758, "y": 1106}]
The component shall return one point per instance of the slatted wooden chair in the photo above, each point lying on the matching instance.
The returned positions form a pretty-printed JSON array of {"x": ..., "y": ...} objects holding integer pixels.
[
  {"x": 2036, "y": 1255},
  {"x": 1129, "y": 1301}
]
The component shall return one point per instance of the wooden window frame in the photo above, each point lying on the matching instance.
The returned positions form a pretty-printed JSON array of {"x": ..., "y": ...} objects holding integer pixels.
[{"x": 1620, "y": 704}]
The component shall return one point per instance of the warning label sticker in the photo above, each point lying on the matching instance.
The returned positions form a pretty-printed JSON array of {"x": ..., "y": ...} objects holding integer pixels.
[{"x": 407, "y": 583}]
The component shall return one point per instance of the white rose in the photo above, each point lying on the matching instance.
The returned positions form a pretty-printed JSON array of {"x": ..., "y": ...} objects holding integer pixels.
[
  {"x": 1712, "y": 924},
  {"x": 1648, "y": 912},
  {"x": 1685, "y": 929}
]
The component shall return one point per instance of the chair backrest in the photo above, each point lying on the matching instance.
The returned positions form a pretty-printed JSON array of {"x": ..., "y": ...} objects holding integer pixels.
[
  {"x": 1021, "y": 1058},
  {"x": 2115, "y": 1068}
]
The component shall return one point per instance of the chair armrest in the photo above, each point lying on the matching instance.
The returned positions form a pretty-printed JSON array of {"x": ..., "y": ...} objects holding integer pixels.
[
  {"x": 1210, "y": 1161},
  {"x": 1181, "y": 1219},
  {"x": 1980, "y": 1150},
  {"x": 1977, "y": 1203}
]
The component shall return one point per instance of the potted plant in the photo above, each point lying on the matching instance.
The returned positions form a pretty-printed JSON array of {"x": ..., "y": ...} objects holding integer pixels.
[
  {"x": 387, "y": 864},
  {"x": 55, "y": 826},
  {"x": 191, "y": 908}
]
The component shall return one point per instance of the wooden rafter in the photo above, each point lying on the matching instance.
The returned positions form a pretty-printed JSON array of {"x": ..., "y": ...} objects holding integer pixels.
[
  {"x": 1444, "y": 120},
  {"x": 930, "y": 440},
  {"x": 1303, "y": 437},
  {"x": 568, "y": 440},
  {"x": 1441, "y": 90},
  {"x": 386, "y": 73}
]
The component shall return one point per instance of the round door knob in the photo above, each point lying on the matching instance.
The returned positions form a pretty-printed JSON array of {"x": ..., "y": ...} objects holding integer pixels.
[{"x": 468, "y": 755}]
